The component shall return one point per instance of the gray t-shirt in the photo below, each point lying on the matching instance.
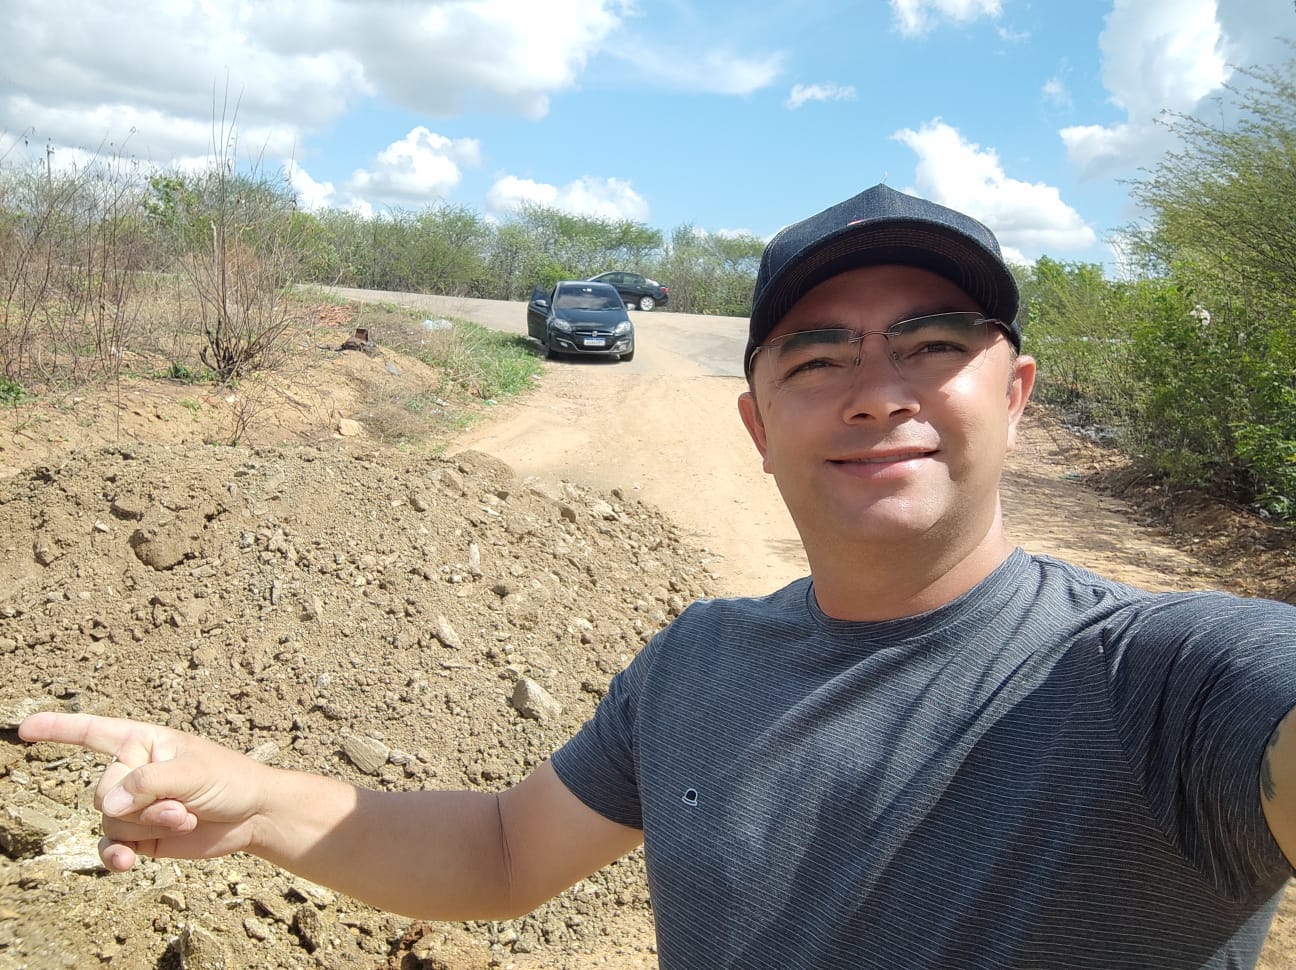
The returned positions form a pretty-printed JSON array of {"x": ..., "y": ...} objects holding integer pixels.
[{"x": 1054, "y": 770}]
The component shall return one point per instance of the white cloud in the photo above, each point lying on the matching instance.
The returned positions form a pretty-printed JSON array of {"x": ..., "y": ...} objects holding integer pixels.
[
  {"x": 697, "y": 232},
  {"x": 511, "y": 193},
  {"x": 166, "y": 74},
  {"x": 311, "y": 195},
  {"x": 1172, "y": 55},
  {"x": 1100, "y": 149},
  {"x": 1161, "y": 54},
  {"x": 1028, "y": 218},
  {"x": 714, "y": 71},
  {"x": 1056, "y": 93},
  {"x": 1157, "y": 55},
  {"x": 172, "y": 82},
  {"x": 609, "y": 198},
  {"x": 801, "y": 93},
  {"x": 917, "y": 17},
  {"x": 1256, "y": 31},
  {"x": 439, "y": 58},
  {"x": 421, "y": 168},
  {"x": 82, "y": 74}
]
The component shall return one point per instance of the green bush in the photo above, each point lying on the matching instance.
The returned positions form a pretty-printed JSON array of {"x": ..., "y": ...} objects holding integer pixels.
[
  {"x": 11, "y": 392},
  {"x": 1270, "y": 455}
]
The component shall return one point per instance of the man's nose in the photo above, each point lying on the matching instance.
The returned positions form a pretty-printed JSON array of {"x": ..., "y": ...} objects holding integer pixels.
[{"x": 878, "y": 387}]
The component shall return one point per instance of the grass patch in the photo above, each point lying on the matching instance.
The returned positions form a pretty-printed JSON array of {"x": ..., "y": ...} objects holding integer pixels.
[
  {"x": 473, "y": 366},
  {"x": 486, "y": 363},
  {"x": 11, "y": 392},
  {"x": 474, "y": 360},
  {"x": 182, "y": 372}
]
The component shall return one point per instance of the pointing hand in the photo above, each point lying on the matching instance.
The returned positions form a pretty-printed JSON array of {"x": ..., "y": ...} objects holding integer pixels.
[{"x": 165, "y": 794}]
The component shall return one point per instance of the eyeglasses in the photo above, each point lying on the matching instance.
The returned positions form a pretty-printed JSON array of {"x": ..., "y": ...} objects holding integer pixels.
[{"x": 925, "y": 351}]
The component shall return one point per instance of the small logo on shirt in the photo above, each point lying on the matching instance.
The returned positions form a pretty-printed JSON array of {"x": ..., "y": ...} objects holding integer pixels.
[{"x": 690, "y": 797}]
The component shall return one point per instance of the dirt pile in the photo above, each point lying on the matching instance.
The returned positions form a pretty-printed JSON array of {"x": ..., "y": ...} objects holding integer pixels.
[{"x": 396, "y": 621}]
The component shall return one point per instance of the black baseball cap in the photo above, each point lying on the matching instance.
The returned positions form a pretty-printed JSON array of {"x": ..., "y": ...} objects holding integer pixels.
[{"x": 881, "y": 226}]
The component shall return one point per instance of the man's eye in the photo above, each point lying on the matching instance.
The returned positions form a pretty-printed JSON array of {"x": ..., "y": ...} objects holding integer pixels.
[
  {"x": 809, "y": 365},
  {"x": 934, "y": 347}
]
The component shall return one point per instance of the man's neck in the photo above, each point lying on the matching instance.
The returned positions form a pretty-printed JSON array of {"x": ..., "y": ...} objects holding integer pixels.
[{"x": 875, "y": 583}]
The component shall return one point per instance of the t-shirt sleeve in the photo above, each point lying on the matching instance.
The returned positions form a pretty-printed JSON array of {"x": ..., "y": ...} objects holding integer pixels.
[
  {"x": 1199, "y": 684},
  {"x": 600, "y": 764}
]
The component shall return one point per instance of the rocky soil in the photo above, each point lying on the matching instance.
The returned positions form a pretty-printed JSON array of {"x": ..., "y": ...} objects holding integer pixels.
[
  {"x": 395, "y": 619},
  {"x": 398, "y": 622}
]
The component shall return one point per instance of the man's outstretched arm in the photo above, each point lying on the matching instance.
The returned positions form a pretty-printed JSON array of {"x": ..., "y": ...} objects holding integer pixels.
[
  {"x": 434, "y": 855},
  {"x": 1278, "y": 785}
]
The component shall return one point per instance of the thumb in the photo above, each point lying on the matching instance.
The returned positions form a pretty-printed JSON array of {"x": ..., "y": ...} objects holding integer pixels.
[{"x": 158, "y": 791}]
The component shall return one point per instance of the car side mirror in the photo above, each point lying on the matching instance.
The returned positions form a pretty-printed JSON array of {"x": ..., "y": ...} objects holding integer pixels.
[{"x": 540, "y": 302}]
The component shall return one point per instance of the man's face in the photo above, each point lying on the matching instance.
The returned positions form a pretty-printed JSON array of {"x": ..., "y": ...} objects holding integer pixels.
[{"x": 887, "y": 456}]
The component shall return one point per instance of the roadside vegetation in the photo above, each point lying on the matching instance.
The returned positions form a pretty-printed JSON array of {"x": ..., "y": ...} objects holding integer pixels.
[{"x": 1186, "y": 362}]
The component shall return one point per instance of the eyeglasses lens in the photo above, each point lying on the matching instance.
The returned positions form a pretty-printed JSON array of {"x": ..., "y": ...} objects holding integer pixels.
[{"x": 926, "y": 350}]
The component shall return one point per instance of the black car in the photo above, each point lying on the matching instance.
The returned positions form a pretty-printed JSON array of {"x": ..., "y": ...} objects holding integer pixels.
[
  {"x": 580, "y": 317},
  {"x": 638, "y": 291}
]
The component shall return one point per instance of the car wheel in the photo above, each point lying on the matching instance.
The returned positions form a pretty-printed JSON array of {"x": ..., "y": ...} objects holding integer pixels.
[
  {"x": 628, "y": 357},
  {"x": 646, "y": 303},
  {"x": 550, "y": 353}
]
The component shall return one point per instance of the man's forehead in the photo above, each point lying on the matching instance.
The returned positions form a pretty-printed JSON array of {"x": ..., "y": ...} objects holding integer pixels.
[{"x": 887, "y": 283}]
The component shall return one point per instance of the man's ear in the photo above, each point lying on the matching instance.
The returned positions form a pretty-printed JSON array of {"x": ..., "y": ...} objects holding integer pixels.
[
  {"x": 749, "y": 410},
  {"x": 1019, "y": 392}
]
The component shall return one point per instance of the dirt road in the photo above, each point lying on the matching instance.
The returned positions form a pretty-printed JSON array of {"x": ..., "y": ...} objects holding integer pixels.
[{"x": 667, "y": 425}]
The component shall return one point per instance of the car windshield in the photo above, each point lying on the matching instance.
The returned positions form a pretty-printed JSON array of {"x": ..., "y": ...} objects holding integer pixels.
[{"x": 587, "y": 298}]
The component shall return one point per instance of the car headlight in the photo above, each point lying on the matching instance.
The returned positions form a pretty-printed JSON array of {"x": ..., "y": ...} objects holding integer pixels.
[
  {"x": 558, "y": 323},
  {"x": 623, "y": 328}
]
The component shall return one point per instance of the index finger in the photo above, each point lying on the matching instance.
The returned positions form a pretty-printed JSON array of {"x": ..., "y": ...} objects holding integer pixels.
[{"x": 130, "y": 742}]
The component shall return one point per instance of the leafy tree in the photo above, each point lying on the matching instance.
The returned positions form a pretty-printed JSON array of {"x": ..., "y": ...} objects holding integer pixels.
[
  {"x": 516, "y": 262},
  {"x": 1071, "y": 324},
  {"x": 581, "y": 246},
  {"x": 452, "y": 242},
  {"x": 711, "y": 273},
  {"x": 1223, "y": 230}
]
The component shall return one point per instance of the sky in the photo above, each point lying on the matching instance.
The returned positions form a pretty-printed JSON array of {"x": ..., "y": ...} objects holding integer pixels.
[{"x": 724, "y": 115}]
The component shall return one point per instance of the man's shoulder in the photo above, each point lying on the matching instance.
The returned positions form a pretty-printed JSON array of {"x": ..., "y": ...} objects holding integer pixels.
[
  {"x": 1065, "y": 573},
  {"x": 1128, "y": 614},
  {"x": 788, "y": 600}
]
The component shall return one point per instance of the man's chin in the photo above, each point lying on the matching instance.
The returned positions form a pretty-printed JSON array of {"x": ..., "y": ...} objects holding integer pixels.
[{"x": 886, "y": 522}]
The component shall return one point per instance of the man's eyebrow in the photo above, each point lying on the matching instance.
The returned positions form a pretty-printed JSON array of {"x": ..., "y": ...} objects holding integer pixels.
[
  {"x": 816, "y": 334},
  {"x": 934, "y": 311},
  {"x": 831, "y": 323}
]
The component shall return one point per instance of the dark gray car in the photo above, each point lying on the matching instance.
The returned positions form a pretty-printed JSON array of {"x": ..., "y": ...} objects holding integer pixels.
[
  {"x": 638, "y": 291},
  {"x": 582, "y": 318}
]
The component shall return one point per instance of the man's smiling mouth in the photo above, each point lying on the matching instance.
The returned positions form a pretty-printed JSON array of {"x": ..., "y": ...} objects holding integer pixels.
[{"x": 883, "y": 459}]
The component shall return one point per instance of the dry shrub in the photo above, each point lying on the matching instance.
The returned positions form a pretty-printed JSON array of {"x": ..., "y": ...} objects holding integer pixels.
[{"x": 242, "y": 304}]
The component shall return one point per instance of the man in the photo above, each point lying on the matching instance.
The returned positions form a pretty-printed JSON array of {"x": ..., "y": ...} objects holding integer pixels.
[{"x": 935, "y": 751}]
